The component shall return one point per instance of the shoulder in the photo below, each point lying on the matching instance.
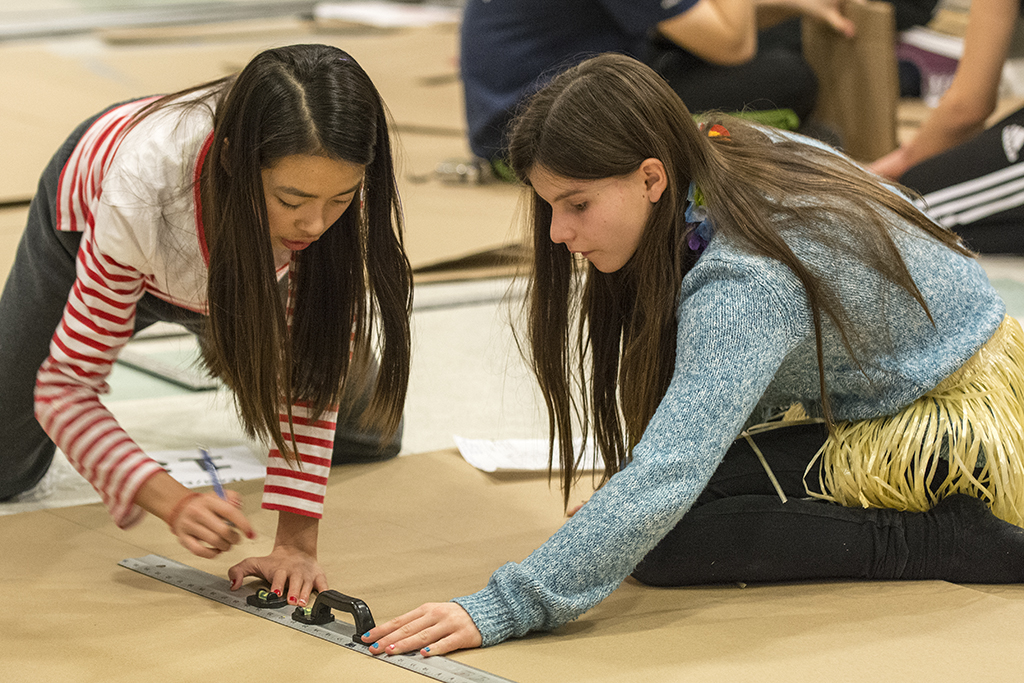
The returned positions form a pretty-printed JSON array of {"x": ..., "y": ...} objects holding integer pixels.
[
  {"x": 158, "y": 152},
  {"x": 727, "y": 265},
  {"x": 652, "y": 12},
  {"x": 150, "y": 180}
]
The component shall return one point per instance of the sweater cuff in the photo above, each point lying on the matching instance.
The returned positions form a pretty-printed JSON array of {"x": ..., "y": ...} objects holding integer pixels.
[
  {"x": 488, "y": 611},
  {"x": 499, "y": 615}
]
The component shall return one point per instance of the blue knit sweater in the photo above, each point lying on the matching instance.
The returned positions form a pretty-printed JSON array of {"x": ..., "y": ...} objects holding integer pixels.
[{"x": 745, "y": 347}]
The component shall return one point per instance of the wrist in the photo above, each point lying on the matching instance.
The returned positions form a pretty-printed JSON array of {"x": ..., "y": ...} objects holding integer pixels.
[
  {"x": 297, "y": 531},
  {"x": 160, "y": 495},
  {"x": 172, "y": 517}
]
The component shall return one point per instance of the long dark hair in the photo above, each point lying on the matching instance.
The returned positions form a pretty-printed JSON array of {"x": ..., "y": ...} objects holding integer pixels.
[
  {"x": 602, "y": 345},
  {"x": 312, "y": 100}
]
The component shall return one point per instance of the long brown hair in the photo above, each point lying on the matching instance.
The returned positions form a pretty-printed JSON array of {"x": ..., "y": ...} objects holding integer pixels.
[
  {"x": 602, "y": 345},
  {"x": 353, "y": 285}
]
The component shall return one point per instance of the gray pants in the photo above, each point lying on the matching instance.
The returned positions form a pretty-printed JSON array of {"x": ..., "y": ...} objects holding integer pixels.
[{"x": 31, "y": 307}]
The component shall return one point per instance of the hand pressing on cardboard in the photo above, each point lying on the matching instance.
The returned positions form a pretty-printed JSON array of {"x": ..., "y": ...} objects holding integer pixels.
[
  {"x": 292, "y": 565},
  {"x": 435, "y": 628}
]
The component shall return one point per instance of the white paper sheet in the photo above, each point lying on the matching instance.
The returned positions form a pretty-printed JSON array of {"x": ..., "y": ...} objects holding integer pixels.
[
  {"x": 386, "y": 14},
  {"x": 63, "y": 486},
  {"x": 234, "y": 463},
  {"x": 515, "y": 455}
]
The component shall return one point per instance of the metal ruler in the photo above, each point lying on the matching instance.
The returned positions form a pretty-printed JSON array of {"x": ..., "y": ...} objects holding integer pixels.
[{"x": 338, "y": 632}]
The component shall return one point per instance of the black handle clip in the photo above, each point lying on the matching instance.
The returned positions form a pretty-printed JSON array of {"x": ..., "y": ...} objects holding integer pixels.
[{"x": 320, "y": 613}]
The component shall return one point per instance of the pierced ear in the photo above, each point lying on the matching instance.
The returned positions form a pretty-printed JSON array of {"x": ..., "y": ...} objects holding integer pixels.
[{"x": 655, "y": 178}]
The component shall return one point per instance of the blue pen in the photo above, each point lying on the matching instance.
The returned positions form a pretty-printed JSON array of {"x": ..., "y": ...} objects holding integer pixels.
[{"x": 212, "y": 470}]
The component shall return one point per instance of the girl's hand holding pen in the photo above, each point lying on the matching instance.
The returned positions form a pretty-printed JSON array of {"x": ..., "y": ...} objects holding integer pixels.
[
  {"x": 208, "y": 525},
  {"x": 204, "y": 523}
]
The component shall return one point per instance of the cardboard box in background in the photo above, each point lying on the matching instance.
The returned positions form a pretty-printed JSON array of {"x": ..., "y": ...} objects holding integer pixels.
[{"x": 858, "y": 79}]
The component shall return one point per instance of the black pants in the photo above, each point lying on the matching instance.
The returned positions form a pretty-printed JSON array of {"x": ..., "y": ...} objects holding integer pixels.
[
  {"x": 31, "y": 307},
  {"x": 776, "y": 78},
  {"x": 739, "y": 530},
  {"x": 977, "y": 188}
]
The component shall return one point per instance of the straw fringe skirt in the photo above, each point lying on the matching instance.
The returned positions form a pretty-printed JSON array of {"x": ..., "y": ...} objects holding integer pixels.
[{"x": 974, "y": 419}]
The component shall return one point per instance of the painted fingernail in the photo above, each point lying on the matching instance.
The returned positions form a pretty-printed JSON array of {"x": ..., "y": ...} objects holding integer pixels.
[
  {"x": 302, "y": 602},
  {"x": 277, "y": 592},
  {"x": 366, "y": 635},
  {"x": 375, "y": 645},
  {"x": 426, "y": 649},
  {"x": 390, "y": 648}
]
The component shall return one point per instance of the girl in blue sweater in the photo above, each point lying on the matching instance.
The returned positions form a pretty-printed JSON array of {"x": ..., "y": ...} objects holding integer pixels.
[{"x": 790, "y": 372}]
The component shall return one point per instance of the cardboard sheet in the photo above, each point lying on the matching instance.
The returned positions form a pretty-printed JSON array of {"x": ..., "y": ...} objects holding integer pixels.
[
  {"x": 430, "y": 527},
  {"x": 450, "y": 222},
  {"x": 51, "y": 86},
  {"x": 54, "y": 86}
]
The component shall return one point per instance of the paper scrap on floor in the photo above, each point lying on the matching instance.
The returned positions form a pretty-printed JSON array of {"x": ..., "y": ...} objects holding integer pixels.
[
  {"x": 235, "y": 463},
  {"x": 516, "y": 455}
]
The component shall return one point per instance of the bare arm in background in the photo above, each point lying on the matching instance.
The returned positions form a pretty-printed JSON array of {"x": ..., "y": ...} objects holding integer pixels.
[
  {"x": 725, "y": 31},
  {"x": 973, "y": 94}
]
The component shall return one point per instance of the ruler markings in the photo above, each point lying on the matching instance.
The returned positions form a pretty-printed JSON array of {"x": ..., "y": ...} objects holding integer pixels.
[{"x": 338, "y": 632}]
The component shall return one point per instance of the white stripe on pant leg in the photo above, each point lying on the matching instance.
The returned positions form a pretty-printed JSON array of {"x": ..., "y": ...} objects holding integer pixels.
[
  {"x": 969, "y": 217},
  {"x": 974, "y": 185},
  {"x": 979, "y": 200}
]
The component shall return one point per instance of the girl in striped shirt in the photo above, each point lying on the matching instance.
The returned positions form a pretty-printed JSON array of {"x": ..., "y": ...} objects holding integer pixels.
[{"x": 261, "y": 212}]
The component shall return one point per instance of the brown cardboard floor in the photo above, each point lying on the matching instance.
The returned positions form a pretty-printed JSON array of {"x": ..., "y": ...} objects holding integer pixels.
[
  {"x": 51, "y": 85},
  {"x": 429, "y": 527}
]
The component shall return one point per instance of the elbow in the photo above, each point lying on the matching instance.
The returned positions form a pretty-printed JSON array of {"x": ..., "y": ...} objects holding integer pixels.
[
  {"x": 721, "y": 44},
  {"x": 742, "y": 54},
  {"x": 732, "y": 52}
]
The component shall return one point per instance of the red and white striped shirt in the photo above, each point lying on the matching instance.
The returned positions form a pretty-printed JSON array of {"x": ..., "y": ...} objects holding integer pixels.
[{"x": 132, "y": 192}]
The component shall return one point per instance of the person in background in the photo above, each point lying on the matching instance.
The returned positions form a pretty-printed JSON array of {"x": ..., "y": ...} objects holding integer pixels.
[
  {"x": 728, "y": 55},
  {"x": 971, "y": 178}
]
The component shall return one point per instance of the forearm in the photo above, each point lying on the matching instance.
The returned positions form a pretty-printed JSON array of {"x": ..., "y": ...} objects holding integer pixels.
[
  {"x": 972, "y": 96},
  {"x": 719, "y": 31},
  {"x": 953, "y": 122},
  {"x": 297, "y": 531},
  {"x": 160, "y": 494}
]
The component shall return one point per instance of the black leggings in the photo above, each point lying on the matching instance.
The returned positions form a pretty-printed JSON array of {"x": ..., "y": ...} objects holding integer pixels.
[
  {"x": 976, "y": 189},
  {"x": 777, "y": 77},
  {"x": 740, "y": 530}
]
